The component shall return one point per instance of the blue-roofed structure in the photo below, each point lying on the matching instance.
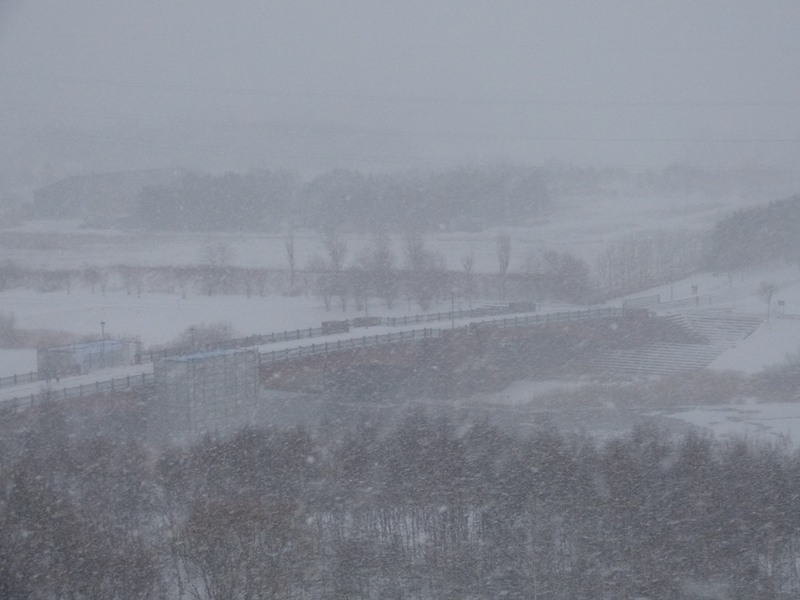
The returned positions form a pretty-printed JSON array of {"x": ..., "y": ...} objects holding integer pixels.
[{"x": 74, "y": 359}]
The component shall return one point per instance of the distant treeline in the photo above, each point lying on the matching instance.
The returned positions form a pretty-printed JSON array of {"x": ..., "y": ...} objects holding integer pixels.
[
  {"x": 466, "y": 198},
  {"x": 463, "y": 198},
  {"x": 427, "y": 508},
  {"x": 756, "y": 235}
]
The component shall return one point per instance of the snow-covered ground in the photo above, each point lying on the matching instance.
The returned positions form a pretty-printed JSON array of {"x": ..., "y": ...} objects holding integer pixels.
[
  {"x": 17, "y": 362},
  {"x": 521, "y": 393},
  {"x": 771, "y": 344},
  {"x": 581, "y": 226},
  {"x": 768, "y": 422},
  {"x": 159, "y": 318},
  {"x": 73, "y": 381},
  {"x": 578, "y": 225}
]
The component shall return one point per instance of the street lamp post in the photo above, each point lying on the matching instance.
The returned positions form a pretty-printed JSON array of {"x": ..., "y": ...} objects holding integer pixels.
[
  {"x": 453, "y": 309},
  {"x": 103, "y": 344}
]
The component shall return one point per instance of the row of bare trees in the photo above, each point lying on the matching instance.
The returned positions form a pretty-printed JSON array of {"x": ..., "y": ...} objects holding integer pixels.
[
  {"x": 376, "y": 272},
  {"x": 426, "y": 508},
  {"x": 418, "y": 274},
  {"x": 645, "y": 260},
  {"x": 422, "y": 277}
]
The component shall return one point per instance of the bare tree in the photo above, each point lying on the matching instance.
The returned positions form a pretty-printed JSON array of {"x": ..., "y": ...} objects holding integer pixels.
[
  {"x": 503, "y": 242},
  {"x": 423, "y": 270},
  {"x": 565, "y": 277},
  {"x": 323, "y": 279},
  {"x": 358, "y": 283},
  {"x": 289, "y": 243},
  {"x": 468, "y": 264},
  {"x": 379, "y": 262},
  {"x": 91, "y": 275},
  {"x": 415, "y": 250},
  {"x": 184, "y": 278},
  {"x": 218, "y": 256},
  {"x": 206, "y": 335},
  {"x": 238, "y": 548},
  {"x": 336, "y": 248},
  {"x": 766, "y": 291}
]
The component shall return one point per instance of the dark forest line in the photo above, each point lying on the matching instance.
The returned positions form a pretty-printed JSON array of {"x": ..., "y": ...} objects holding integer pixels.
[
  {"x": 425, "y": 508},
  {"x": 755, "y": 236},
  {"x": 468, "y": 198}
]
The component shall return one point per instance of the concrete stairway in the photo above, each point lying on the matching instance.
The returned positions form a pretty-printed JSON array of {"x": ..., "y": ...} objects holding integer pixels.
[{"x": 721, "y": 330}]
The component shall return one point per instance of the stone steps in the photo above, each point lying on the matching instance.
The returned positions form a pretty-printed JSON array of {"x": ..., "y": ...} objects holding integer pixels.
[{"x": 722, "y": 331}]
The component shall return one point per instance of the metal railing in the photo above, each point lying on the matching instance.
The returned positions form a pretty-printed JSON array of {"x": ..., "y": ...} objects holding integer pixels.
[
  {"x": 314, "y": 332},
  {"x": 349, "y": 344},
  {"x": 133, "y": 381},
  {"x": 641, "y": 301},
  {"x": 292, "y": 335},
  {"x": 418, "y": 334},
  {"x": 115, "y": 384},
  {"x": 18, "y": 379}
]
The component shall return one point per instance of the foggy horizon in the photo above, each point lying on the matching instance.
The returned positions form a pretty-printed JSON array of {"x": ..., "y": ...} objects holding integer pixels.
[
  {"x": 359, "y": 299},
  {"x": 91, "y": 87}
]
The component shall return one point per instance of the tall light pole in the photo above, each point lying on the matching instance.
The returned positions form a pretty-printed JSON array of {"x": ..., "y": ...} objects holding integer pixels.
[
  {"x": 103, "y": 344},
  {"x": 453, "y": 309}
]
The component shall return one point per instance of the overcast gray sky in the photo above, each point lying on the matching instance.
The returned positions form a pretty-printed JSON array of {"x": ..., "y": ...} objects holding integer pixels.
[{"x": 370, "y": 83}]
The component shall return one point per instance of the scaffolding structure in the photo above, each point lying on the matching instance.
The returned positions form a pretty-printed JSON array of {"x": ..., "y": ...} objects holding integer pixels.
[{"x": 210, "y": 392}]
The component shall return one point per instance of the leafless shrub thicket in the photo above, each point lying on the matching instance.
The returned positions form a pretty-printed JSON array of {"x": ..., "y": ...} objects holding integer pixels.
[
  {"x": 646, "y": 260},
  {"x": 424, "y": 508}
]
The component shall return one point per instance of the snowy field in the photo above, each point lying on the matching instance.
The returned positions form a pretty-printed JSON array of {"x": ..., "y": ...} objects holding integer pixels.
[
  {"x": 581, "y": 226},
  {"x": 766, "y": 422},
  {"x": 160, "y": 318},
  {"x": 771, "y": 344},
  {"x": 769, "y": 422}
]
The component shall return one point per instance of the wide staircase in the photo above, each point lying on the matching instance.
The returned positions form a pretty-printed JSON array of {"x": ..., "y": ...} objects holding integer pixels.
[{"x": 720, "y": 331}]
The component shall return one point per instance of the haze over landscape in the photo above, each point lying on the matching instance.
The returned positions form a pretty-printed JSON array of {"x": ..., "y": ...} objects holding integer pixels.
[
  {"x": 91, "y": 86},
  {"x": 360, "y": 299}
]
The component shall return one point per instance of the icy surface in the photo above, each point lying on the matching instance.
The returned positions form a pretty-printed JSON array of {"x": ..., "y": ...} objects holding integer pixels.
[{"x": 769, "y": 421}]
